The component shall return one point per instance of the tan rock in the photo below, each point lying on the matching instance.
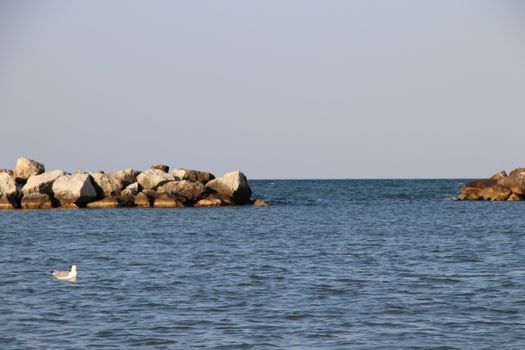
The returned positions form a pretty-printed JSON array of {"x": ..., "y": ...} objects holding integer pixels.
[
  {"x": 110, "y": 202},
  {"x": 36, "y": 201},
  {"x": 515, "y": 197},
  {"x": 167, "y": 200},
  {"x": 153, "y": 178},
  {"x": 25, "y": 168},
  {"x": 260, "y": 203},
  {"x": 208, "y": 203},
  {"x": 231, "y": 186},
  {"x": 514, "y": 183},
  {"x": 7, "y": 202},
  {"x": 142, "y": 201},
  {"x": 495, "y": 193}
]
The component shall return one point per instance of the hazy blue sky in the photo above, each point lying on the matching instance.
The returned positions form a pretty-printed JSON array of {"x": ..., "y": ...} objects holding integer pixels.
[{"x": 278, "y": 89}]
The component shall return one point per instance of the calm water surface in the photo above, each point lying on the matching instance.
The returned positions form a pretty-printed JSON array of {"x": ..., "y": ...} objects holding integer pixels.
[{"x": 372, "y": 264}]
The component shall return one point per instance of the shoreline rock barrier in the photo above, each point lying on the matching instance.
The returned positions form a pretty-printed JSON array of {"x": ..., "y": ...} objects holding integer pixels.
[
  {"x": 30, "y": 186},
  {"x": 499, "y": 187}
]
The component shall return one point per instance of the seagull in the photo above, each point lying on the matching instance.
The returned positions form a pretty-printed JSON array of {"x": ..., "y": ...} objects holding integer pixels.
[{"x": 65, "y": 275}]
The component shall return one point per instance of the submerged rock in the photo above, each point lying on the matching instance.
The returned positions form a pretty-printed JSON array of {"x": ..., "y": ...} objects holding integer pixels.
[{"x": 208, "y": 203}]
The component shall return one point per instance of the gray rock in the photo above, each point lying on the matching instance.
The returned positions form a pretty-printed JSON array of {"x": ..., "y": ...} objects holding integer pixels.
[
  {"x": 125, "y": 176},
  {"x": 25, "y": 168},
  {"x": 153, "y": 178},
  {"x": 42, "y": 183},
  {"x": 131, "y": 190},
  {"x": 74, "y": 189},
  {"x": 8, "y": 185},
  {"x": 231, "y": 187},
  {"x": 189, "y": 191},
  {"x": 106, "y": 185},
  {"x": 192, "y": 175}
]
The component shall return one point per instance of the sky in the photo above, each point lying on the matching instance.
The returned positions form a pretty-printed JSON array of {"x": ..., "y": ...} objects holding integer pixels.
[{"x": 278, "y": 89}]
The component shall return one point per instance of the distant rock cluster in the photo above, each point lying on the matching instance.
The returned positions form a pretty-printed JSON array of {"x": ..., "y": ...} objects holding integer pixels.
[
  {"x": 29, "y": 186},
  {"x": 499, "y": 187}
]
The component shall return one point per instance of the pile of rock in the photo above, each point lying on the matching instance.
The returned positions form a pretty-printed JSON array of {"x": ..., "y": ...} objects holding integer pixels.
[
  {"x": 499, "y": 187},
  {"x": 29, "y": 186}
]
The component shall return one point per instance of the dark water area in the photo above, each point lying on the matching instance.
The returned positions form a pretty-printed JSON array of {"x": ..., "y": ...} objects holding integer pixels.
[{"x": 343, "y": 264}]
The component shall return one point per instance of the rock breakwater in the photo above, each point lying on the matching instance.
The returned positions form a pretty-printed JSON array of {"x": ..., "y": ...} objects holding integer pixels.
[
  {"x": 29, "y": 186},
  {"x": 499, "y": 187}
]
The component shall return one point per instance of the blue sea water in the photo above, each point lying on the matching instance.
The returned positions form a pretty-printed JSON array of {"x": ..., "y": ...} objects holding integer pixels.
[{"x": 342, "y": 264}]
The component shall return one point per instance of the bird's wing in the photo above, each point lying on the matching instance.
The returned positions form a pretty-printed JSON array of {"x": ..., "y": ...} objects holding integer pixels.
[{"x": 60, "y": 274}]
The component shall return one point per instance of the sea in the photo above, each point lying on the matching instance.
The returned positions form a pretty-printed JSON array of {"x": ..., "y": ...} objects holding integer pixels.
[{"x": 332, "y": 264}]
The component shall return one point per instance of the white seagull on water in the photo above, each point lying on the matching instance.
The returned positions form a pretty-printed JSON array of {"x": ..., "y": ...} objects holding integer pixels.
[{"x": 65, "y": 275}]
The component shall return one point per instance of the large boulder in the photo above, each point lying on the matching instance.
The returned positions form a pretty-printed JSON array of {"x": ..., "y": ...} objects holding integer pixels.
[
  {"x": 192, "y": 175},
  {"x": 190, "y": 192},
  {"x": 231, "y": 187},
  {"x": 25, "y": 168},
  {"x": 125, "y": 176},
  {"x": 495, "y": 193},
  {"x": 472, "y": 189},
  {"x": 153, "y": 178},
  {"x": 106, "y": 185},
  {"x": 42, "y": 183},
  {"x": 74, "y": 189},
  {"x": 8, "y": 185},
  {"x": 514, "y": 183},
  {"x": 37, "y": 201}
]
